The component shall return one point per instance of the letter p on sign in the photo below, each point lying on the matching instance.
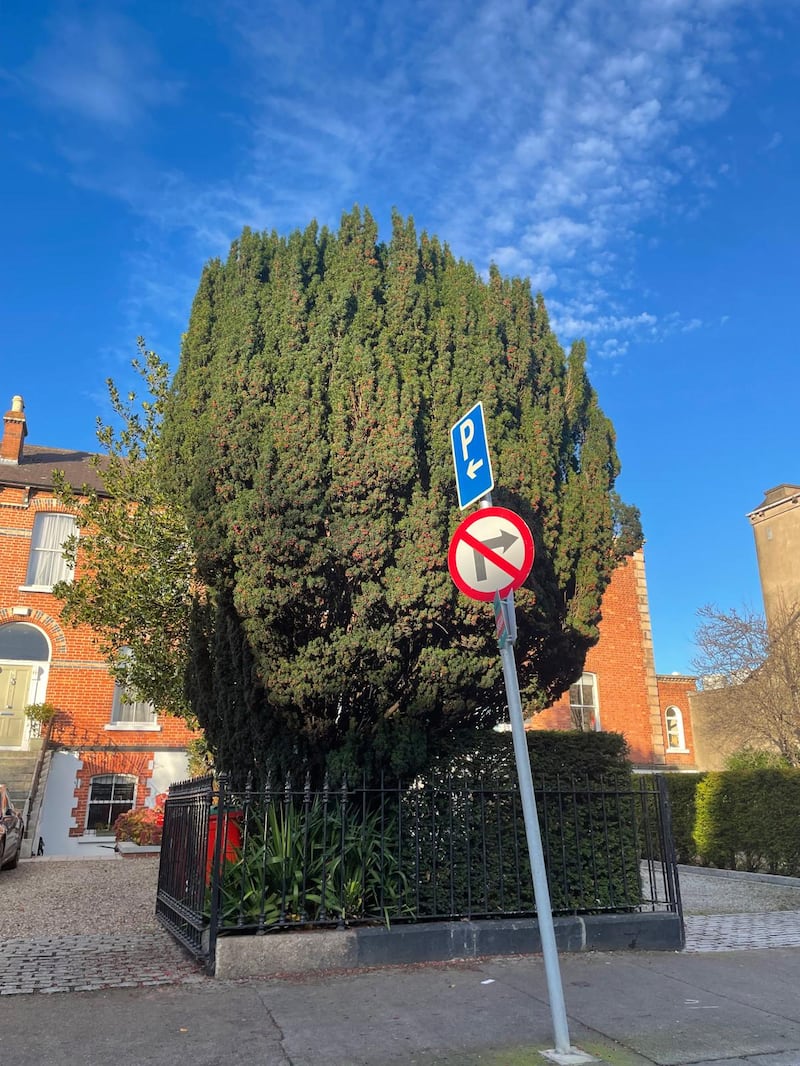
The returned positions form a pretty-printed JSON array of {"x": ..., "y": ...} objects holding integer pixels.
[{"x": 466, "y": 429}]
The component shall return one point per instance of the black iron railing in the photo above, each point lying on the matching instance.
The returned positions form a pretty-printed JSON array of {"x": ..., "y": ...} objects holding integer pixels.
[{"x": 281, "y": 857}]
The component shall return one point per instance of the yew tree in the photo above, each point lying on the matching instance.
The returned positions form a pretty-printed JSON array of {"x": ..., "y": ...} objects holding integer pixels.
[{"x": 307, "y": 444}]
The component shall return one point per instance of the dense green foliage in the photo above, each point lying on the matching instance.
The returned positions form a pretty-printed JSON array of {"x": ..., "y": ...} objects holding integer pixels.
[
  {"x": 682, "y": 789},
  {"x": 747, "y": 820},
  {"x": 314, "y": 859},
  {"x": 554, "y": 755},
  {"x": 466, "y": 820},
  {"x": 450, "y": 844},
  {"x": 307, "y": 443},
  {"x": 742, "y": 819}
]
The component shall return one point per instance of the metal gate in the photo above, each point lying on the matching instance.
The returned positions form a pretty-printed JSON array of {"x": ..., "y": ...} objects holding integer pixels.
[{"x": 184, "y": 888}]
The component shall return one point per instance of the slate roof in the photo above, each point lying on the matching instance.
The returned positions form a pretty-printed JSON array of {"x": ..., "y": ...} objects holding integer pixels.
[{"x": 35, "y": 468}]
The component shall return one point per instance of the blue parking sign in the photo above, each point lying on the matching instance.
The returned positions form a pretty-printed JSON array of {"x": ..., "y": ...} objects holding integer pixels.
[{"x": 473, "y": 466}]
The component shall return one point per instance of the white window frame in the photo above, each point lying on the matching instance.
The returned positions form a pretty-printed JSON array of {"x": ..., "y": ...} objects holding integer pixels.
[
  {"x": 674, "y": 715},
  {"x": 132, "y": 714},
  {"x": 114, "y": 780},
  {"x": 46, "y": 557},
  {"x": 578, "y": 708}
]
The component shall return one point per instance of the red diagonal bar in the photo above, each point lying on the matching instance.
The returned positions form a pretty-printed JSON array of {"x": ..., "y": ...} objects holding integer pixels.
[{"x": 493, "y": 557}]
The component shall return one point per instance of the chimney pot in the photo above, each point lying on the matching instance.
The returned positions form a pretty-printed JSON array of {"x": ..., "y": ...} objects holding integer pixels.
[{"x": 15, "y": 430}]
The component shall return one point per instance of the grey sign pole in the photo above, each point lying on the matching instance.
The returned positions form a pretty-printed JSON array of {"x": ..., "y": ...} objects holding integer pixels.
[{"x": 541, "y": 890}]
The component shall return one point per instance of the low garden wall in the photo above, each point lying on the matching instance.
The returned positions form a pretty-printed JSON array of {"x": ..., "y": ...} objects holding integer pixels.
[{"x": 348, "y": 949}]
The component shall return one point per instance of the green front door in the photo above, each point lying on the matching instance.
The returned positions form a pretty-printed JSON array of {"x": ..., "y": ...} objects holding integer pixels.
[{"x": 15, "y": 684}]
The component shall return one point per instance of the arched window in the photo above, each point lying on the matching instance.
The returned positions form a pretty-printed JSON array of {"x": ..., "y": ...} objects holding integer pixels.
[
  {"x": 584, "y": 705},
  {"x": 676, "y": 740},
  {"x": 20, "y": 641},
  {"x": 110, "y": 795}
]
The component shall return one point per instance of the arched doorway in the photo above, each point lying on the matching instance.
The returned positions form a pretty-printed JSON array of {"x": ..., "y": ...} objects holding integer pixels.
[{"x": 24, "y": 655}]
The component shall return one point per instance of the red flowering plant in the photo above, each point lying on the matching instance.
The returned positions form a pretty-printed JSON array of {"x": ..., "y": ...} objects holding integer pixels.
[
  {"x": 161, "y": 800},
  {"x": 141, "y": 826}
]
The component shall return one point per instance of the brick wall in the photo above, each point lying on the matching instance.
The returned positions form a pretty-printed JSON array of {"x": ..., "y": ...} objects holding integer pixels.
[
  {"x": 623, "y": 663},
  {"x": 78, "y": 682}
]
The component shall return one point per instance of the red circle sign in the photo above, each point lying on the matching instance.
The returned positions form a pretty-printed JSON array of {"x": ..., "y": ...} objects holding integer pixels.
[{"x": 491, "y": 552}]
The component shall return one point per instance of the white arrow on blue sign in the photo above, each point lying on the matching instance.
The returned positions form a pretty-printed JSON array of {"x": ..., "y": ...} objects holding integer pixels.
[{"x": 474, "y": 476}]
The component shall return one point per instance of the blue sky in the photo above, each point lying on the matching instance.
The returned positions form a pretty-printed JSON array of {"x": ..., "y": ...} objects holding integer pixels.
[{"x": 638, "y": 161}]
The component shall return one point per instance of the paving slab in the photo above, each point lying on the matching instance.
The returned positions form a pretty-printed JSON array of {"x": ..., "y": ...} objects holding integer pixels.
[{"x": 628, "y": 1010}]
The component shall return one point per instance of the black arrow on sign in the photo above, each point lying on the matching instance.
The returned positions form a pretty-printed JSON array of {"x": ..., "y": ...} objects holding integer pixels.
[{"x": 503, "y": 541}]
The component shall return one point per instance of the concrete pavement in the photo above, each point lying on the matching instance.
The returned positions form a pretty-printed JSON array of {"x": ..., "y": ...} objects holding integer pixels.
[
  {"x": 631, "y": 1009},
  {"x": 731, "y": 997}
]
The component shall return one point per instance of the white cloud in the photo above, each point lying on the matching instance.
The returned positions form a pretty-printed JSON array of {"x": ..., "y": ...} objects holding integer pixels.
[
  {"x": 542, "y": 136},
  {"x": 101, "y": 69},
  {"x": 774, "y": 142}
]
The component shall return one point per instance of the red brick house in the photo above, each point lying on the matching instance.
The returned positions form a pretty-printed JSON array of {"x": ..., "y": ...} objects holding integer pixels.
[
  {"x": 107, "y": 755},
  {"x": 620, "y": 691}
]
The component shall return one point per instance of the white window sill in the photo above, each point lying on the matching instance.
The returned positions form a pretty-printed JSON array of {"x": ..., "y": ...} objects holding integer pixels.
[
  {"x": 678, "y": 751},
  {"x": 133, "y": 727},
  {"x": 35, "y": 588}
]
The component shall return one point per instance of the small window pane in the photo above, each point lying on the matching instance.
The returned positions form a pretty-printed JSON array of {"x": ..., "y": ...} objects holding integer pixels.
[
  {"x": 583, "y": 704},
  {"x": 141, "y": 711},
  {"x": 109, "y": 796},
  {"x": 126, "y": 711}
]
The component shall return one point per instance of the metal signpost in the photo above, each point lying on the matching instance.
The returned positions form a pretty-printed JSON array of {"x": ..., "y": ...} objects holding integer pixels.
[{"x": 491, "y": 554}]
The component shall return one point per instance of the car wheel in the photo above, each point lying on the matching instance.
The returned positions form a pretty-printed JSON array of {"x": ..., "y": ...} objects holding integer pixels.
[{"x": 11, "y": 863}]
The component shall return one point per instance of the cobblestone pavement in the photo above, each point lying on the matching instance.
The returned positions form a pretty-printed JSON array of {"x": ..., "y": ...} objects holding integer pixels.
[
  {"x": 94, "y": 961},
  {"x": 84, "y": 924},
  {"x": 49, "y": 950},
  {"x": 726, "y": 911},
  {"x": 734, "y": 932}
]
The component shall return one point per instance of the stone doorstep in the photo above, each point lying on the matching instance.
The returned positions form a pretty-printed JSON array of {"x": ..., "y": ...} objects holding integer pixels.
[
  {"x": 128, "y": 850},
  {"x": 312, "y": 951}
]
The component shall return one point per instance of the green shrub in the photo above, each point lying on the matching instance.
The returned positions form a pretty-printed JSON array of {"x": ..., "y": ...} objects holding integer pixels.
[
  {"x": 754, "y": 759},
  {"x": 589, "y": 834},
  {"x": 452, "y": 842},
  {"x": 40, "y": 715},
  {"x": 747, "y": 820},
  {"x": 553, "y": 754},
  {"x": 307, "y": 860},
  {"x": 682, "y": 789}
]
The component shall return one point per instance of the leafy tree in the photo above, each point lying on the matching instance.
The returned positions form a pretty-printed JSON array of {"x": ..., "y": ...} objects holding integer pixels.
[
  {"x": 307, "y": 442},
  {"x": 135, "y": 581},
  {"x": 751, "y": 679}
]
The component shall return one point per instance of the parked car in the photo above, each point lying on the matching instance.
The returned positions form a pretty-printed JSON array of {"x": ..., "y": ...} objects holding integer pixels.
[{"x": 12, "y": 830}]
